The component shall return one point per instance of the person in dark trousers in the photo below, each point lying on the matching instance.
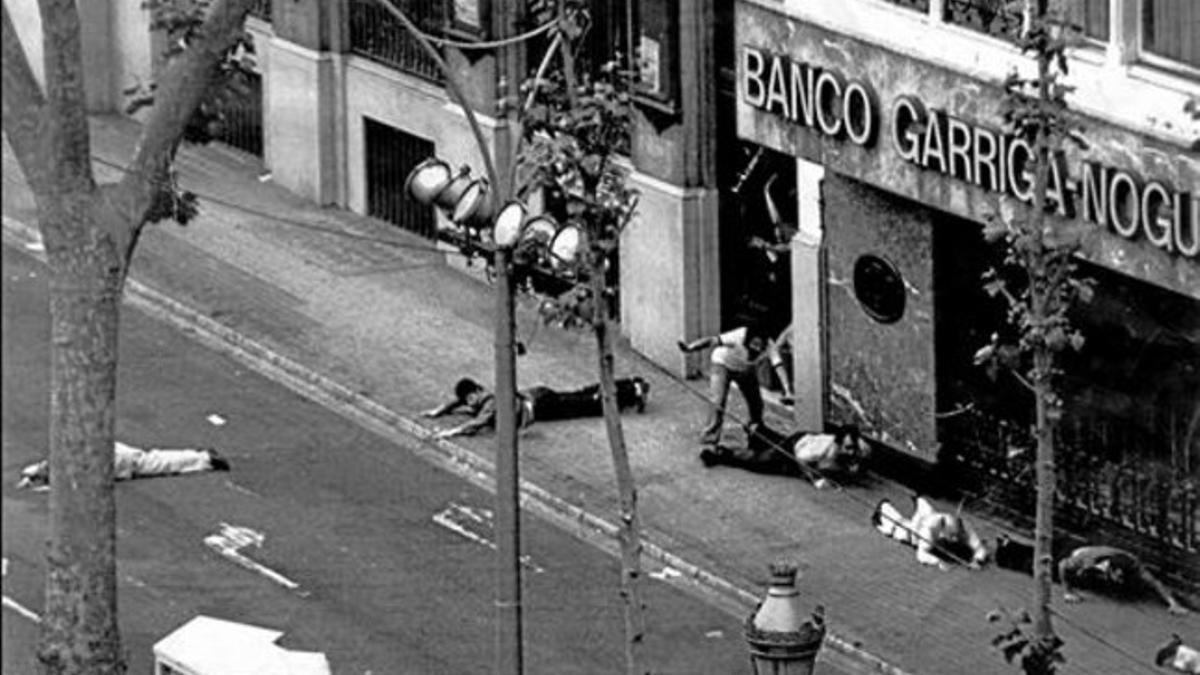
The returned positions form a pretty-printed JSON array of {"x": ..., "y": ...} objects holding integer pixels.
[
  {"x": 840, "y": 454},
  {"x": 735, "y": 359},
  {"x": 1109, "y": 568},
  {"x": 1104, "y": 568},
  {"x": 539, "y": 403}
]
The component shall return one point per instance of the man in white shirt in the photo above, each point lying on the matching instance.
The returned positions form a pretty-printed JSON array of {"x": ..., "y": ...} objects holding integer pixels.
[
  {"x": 132, "y": 462},
  {"x": 735, "y": 359}
]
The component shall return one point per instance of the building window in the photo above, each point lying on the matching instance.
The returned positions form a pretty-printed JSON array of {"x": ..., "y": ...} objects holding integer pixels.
[
  {"x": 879, "y": 288},
  {"x": 1091, "y": 16},
  {"x": 1171, "y": 29},
  {"x": 921, "y": 5}
]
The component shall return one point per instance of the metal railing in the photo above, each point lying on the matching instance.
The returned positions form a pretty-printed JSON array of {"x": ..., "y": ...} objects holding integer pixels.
[
  {"x": 240, "y": 115},
  {"x": 261, "y": 10},
  {"x": 1101, "y": 477},
  {"x": 376, "y": 34}
]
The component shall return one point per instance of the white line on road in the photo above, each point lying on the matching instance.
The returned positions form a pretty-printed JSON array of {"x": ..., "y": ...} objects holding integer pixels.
[
  {"x": 459, "y": 519},
  {"x": 13, "y": 604},
  {"x": 231, "y": 538},
  {"x": 21, "y": 609}
]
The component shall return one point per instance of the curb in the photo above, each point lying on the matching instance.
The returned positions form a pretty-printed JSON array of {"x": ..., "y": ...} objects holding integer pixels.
[{"x": 453, "y": 457}]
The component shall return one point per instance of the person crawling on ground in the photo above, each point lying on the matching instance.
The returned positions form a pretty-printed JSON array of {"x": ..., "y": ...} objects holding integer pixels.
[
  {"x": 131, "y": 462},
  {"x": 938, "y": 536},
  {"x": 840, "y": 454},
  {"x": 1098, "y": 568},
  {"x": 1107, "y": 568},
  {"x": 539, "y": 403}
]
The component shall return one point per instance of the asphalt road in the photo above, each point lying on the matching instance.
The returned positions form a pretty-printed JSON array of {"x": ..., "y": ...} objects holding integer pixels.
[{"x": 366, "y": 553}]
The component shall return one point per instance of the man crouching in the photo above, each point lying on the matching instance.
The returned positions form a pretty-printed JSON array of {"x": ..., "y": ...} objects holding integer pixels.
[{"x": 132, "y": 462}]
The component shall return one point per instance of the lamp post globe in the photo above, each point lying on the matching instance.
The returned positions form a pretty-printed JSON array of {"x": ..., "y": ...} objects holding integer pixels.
[
  {"x": 506, "y": 229},
  {"x": 473, "y": 205},
  {"x": 781, "y": 639},
  {"x": 449, "y": 197},
  {"x": 428, "y": 179}
]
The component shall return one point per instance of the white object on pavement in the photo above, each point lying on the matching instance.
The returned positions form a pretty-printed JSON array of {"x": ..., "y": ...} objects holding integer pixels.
[{"x": 211, "y": 646}]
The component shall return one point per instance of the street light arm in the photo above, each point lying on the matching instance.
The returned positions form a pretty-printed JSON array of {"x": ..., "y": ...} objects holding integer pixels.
[{"x": 452, "y": 84}]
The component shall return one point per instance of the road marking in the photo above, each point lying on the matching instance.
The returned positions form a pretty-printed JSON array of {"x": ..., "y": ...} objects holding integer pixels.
[
  {"x": 21, "y": 609},
  {"x": 232, "y": 538},
  {"x": 466, "y": 520},
  {"x": 13, "y": 604},
  {"x": 666, "y": 573}
]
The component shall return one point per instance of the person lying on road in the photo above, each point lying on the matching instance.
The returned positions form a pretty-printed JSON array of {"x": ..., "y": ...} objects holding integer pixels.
[
  {"x": 132, "y": 462},
  {"x": 937, "y": 535},
  {"x": 539, "y": 403}
]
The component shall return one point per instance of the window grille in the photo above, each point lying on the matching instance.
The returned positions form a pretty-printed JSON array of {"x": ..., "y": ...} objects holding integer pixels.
[{"x": 379, "y": 36}]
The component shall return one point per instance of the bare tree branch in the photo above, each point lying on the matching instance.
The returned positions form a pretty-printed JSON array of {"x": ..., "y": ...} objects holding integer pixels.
[
  {"x": 24, "y": 104},
  {"x": 182, "y": 87},
  {"x": 66, "y": 123}
]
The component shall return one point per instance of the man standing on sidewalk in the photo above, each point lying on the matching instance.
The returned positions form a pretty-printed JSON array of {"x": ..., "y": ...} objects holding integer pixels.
[{"x": 735, "y": 359}]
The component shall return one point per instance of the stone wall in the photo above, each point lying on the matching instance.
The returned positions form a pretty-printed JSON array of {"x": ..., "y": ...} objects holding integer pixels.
[{"x": 883, "y": 371}]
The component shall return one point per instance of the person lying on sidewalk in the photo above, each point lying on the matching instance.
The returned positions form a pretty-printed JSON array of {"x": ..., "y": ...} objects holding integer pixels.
[
  {"x": 539, "y": 403},
  {"x": 131, "y": 462},
  {"x": 1104, "y": 568},
  {"x": 817, "y": 457},
  {"x": 1109, "y": 568},
  {"x": 1178, "y": 656},
  {"x": 938, "y": 536}
]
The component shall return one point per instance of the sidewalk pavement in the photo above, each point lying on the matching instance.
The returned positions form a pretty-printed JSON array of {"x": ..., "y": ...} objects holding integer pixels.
[{"x": 378, "y": 315}]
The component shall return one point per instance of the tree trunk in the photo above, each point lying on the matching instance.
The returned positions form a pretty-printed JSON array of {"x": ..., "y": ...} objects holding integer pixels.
[
  {"x": 1043, "y": 372},
  {"x": 1043, "y": 537},
  {"x": 79, "y": 628},
  {"x": 630, "y": 534}
]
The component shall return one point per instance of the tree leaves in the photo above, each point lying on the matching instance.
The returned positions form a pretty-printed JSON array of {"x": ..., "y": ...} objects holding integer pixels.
[{"x": 1035, "y": 655}]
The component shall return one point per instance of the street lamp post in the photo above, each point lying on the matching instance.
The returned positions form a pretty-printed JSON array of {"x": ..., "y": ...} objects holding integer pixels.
[
  {"x": 781, "y": 641},
  {"x": 509, "y": 655}
]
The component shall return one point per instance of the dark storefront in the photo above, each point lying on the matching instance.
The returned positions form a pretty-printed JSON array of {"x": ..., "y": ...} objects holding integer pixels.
[{"x": 910, "y": 169}]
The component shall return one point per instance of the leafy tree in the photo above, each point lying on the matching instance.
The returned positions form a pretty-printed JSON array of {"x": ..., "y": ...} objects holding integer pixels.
[
  {"x": 1039, "y": 279},
  {"x": 571, "y": 136},
  {"x": 90, "y": 232}
]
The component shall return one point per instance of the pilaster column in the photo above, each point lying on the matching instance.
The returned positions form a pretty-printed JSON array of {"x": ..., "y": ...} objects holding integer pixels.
[
  {"x": 303, "y": 84},
  {"x": 670, "y": 271},
  {"x": 808, "y": 294}
]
